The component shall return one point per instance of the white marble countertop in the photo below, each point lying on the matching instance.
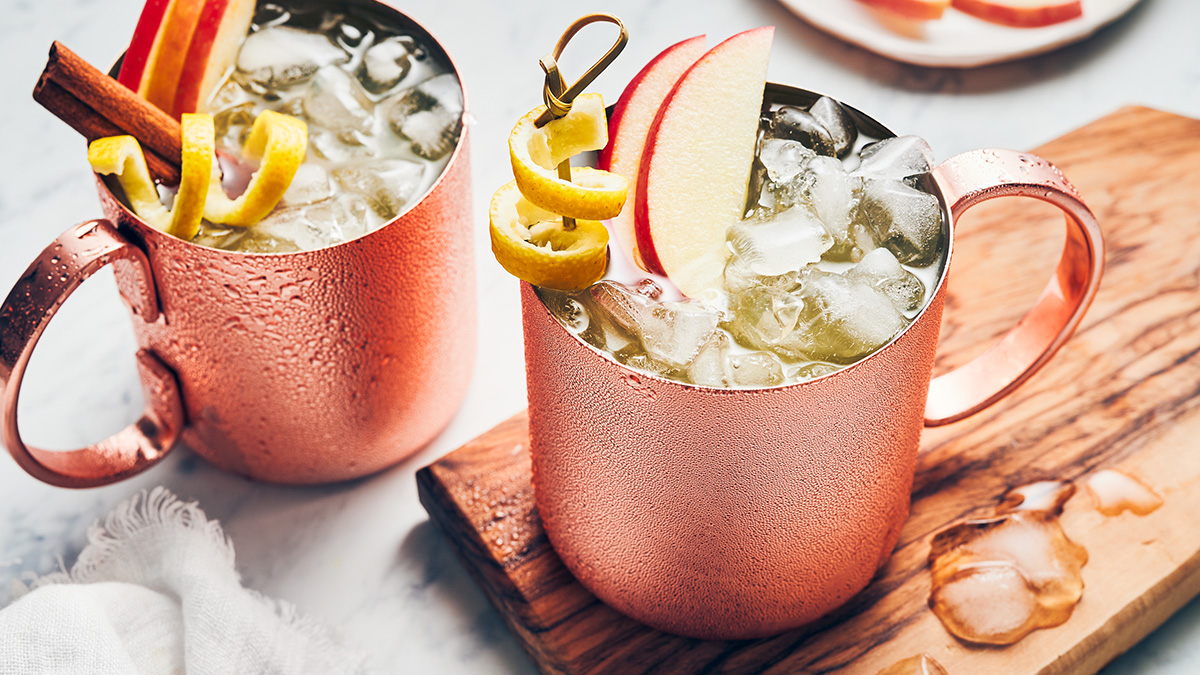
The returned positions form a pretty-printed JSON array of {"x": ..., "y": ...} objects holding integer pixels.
[{"x": 362, "y": 556}]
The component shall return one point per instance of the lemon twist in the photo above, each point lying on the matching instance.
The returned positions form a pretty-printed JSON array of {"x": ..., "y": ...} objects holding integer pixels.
[
  {"x": 532, "y": 244},
  {"x": 279, "y": 140},
  {"x": 536, "y": 153},
  {"x": 528, "y": 235},
  {"x": 122, "y": 156}
]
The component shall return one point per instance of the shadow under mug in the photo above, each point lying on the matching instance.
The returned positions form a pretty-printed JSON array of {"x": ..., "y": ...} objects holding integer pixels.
[
  {"x": 742, "y": 513},
  {"x": 307, "y": 367}
]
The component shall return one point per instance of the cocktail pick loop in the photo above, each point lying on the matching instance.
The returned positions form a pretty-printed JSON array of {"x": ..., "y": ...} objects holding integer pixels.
[{"x": 558, "y": 96}]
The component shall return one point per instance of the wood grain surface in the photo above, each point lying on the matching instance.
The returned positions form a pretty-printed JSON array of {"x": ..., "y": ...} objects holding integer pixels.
[{"x": 1121, "y": 394}]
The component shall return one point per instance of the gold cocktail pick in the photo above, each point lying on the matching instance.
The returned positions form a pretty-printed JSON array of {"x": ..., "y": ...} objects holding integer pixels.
[{"x": 558, "y": 96}]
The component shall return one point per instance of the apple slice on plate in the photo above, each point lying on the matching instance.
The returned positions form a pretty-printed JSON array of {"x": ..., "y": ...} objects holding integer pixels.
[
  {"x": 631, "y": 119},
  {"x": 139, "y": 57},
  {"x": 219, "y": 34},
  {"x": 917, "y": 10},
  {"x": 696, "y": 163},
  {"x": 1022, "y": 13}
]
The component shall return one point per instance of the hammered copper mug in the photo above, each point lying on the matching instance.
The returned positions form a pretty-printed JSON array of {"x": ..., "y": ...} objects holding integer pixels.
[
  {"x": 741, "y": 513},
  {"x": 306, "y": 367}
]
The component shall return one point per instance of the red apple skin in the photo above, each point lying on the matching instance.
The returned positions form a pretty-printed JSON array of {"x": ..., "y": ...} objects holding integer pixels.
[
  {"x": 219, "y": 33},
  {"x": 917, "y": 10},
  {"x": 623, "y": 154},
  {"x": 159, "y": 84},
  {"x": 641, "y": 203},
  {"x": 137, "y": 55},
  {"x": 1021, "y": 14},
  {"x": 604, "y": 161}
]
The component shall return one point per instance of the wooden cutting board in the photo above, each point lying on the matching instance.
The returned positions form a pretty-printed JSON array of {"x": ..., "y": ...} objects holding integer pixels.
[{"x": 1121, "y": 394}]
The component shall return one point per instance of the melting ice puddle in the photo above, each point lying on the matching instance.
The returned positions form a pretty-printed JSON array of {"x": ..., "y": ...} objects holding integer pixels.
[
  {"x": 923, "y": 664},
  {"x": 997, "y": 579},
  {"x": 1114, "y": 492}
]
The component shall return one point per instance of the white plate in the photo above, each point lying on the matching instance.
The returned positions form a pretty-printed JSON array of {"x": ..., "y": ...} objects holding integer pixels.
[{"x": 957, "y": 40}]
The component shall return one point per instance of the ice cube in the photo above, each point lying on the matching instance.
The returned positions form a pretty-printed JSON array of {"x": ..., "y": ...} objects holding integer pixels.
[
  {"x": 842, "y": 320},
  {"x": 388, "y": 184},
  {"x": 324, "y": 223},
  {"x": 281, "y": 56},
  {"x": 335, "y": 148},
  {"x": 351, "y": 35},
  {"x": 830, "y": 190},
  {"x": 903, "y": 219},
  {"x": 883, "y": 272},
  {"x": 765, "y": 317},
  {"x": 796, "y": 124},
  {"x": 783, "y": 160},
  {"x": 756, "y": 369},
  {"x": 270, "y": 14},
  {"x": 227, "y": 96},
  {"x": 811, "y": 371},
  {"x": 232, "y": 125},
  {"x": 219, "y": 236},
  {"x": 740, "y": 278},
  {"x": 895, "y": 158},
  {"x": 649, "y": 288},
  {"x": 842, "y": 130},
  {"x": 672, "y": 332},
  {"x": 708, "y": 368},
  {"x": 564, "y": 307},
  {"x": 385, "y": 64},
  {"x": 335, "y": 101},
  {"x": 429, "y": 115},
  {"x": 309, "y": 185},
  {"x": 785, "y": 243},
  {"x": 635, "y": 357},
  {"x": 601, "y": 332}
]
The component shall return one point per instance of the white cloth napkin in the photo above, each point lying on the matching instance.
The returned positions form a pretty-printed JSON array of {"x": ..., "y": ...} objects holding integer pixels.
[{"x": 155, "y": 591}]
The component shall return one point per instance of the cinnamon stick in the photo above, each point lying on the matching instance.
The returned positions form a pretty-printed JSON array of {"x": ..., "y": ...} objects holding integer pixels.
[
  {"x": 91, "y": 125},
  {"x": 92, "y": 102}
]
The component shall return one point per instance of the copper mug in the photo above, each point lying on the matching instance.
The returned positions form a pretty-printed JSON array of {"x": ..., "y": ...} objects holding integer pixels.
[
  {"x": 307, "y": 367},
  {"x": 734, "y": 513}
]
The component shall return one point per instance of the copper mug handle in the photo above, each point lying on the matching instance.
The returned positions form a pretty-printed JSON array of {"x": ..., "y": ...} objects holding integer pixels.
[
  {"x": 76, "y": 255},
  {"x": 980, "y": 175}
]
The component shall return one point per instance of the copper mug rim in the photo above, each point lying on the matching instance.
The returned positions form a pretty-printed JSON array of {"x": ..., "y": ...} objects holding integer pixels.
[
  {"x": 783, "y": 93},
  {"x": 107, "y": 182}
]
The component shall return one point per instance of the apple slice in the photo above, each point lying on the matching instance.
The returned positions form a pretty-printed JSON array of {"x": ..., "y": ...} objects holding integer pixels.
[
  {"x": 917, "y": 10},
  {"x": 1022, "y": 13},
  {"x": 138, "y": 59},
  {"x": 219, "y": 34},
  {"x": 175, "y": 34},
  {"x": 630, "y": 123},
  {"x": 696, "y": 164}
]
